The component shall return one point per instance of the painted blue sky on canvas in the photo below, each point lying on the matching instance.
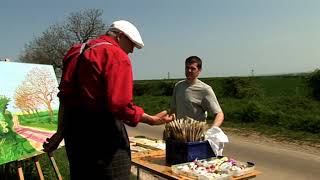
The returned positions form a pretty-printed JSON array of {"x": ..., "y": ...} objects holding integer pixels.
[
  {"x": 11, "y": 76},
  {"x": 232, "y": 37}
]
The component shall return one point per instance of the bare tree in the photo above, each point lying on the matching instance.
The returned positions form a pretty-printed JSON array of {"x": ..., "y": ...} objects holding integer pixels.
[
  {"x": 52, "y": 44},
  {"x": 48, "y": 48},
  {"x": 83, "y": 25}
]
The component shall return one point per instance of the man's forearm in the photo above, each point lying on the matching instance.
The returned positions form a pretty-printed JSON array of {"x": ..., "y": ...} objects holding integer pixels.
[
  {"x": 61, "y": 119},
  {"x": 218, "y": 120}
]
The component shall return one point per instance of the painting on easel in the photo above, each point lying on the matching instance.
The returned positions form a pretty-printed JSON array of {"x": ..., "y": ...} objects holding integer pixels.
[{"x": 28, "y": 109}]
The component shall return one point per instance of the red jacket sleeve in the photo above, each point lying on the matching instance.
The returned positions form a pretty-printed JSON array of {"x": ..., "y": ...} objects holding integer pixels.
[{"x": 119, "y": 87}]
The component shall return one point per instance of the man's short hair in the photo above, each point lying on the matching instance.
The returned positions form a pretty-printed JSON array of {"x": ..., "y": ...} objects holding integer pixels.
[{"x": 194, "y": 59}]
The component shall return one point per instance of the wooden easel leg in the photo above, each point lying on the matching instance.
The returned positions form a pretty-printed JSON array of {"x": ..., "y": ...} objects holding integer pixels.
[
  {"x": 20, "y": 171},
  {"x": 55, "y": 167},
  {"x": 37, "y": 164},
  {"x": 6, "y": 171},
  {"x": 138, "y": 173}
]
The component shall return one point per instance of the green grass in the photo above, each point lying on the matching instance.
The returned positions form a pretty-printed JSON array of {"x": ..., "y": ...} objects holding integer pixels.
[
  {"x": 61, "y": 159},
  {"x": 275, "y": 86},
  {"x": 29, "y": 169},
  {"x": 153, "y": 104}
]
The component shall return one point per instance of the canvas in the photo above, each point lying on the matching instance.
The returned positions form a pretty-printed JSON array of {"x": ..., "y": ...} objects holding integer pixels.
[{"x": 28, "y": 109}]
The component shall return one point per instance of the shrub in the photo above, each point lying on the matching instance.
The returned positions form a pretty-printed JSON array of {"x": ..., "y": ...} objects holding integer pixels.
[
  {"x": 313, "y": 80},
  {"x": 241, "y": 87},
  {"x": 158, "y": 88},
  {"x": 216, "y": 84},
  {"x": 165, "y": 88},
  {"x": 270, "y": 117},
  {"x": 294, "y": 104},
  {"x": 141, "y": 89},
  {"x": 251, "y": 112},
  {"x": 153, "y": 104}
]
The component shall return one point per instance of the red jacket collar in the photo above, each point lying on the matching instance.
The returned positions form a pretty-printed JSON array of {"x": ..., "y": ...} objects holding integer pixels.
[{"x": 109, "y": 39}]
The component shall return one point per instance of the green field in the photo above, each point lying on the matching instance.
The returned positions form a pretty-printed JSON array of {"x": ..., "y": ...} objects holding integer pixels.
[{"x": 283, "y": 106}]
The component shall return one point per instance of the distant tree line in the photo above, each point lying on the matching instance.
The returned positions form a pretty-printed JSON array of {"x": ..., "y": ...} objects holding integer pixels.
[{"x": 237, "y": 87}]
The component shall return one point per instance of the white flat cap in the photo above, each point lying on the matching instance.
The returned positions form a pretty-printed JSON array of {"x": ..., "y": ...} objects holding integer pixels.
[{"x": 129, "y": 30}]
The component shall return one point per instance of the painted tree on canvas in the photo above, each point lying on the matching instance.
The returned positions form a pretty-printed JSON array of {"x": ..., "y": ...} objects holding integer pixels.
[{"x": 38, "y": 89}]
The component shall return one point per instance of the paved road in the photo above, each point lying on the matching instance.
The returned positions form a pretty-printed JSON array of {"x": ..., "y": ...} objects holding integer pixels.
[{"x": 275, "y": 162}]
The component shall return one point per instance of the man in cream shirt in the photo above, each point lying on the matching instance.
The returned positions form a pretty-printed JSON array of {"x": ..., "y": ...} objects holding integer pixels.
[{"x": 193, "y": 98}]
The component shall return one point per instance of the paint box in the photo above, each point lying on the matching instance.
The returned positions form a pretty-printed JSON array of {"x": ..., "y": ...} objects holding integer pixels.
[{"x": 180, "y": 152}]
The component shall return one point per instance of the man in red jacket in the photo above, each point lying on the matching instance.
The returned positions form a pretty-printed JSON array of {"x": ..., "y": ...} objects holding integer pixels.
[{"x": 96, "y": 100}]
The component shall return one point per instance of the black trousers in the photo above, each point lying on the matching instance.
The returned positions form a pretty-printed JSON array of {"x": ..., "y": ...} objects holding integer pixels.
[
  {"x": 100, "y": 168},
  {"x": 97, "y": 146}
]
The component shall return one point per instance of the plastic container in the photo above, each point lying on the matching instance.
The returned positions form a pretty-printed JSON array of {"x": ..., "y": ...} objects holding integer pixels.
[
  {"x": 249, "y": 169},
  {"x": 180, "y": 171},
  {"x": 180, "y": 152},
  {"x": 192, "y": 170}
]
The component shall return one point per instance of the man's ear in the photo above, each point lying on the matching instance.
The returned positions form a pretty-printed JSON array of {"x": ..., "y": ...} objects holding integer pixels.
[{"x": 120, "y": 34}]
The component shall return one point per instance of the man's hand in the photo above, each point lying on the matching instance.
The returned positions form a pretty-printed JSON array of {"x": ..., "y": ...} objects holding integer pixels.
[
  {"x": 52, "y": 143},
  {"x": 158, "y": 119}
]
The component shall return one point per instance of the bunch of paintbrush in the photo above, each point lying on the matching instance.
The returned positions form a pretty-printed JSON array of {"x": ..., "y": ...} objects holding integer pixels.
[{"x": 185, "y": 130}]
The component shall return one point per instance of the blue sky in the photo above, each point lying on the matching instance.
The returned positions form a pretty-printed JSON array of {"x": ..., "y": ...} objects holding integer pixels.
[{"x": 233, "y": 37}]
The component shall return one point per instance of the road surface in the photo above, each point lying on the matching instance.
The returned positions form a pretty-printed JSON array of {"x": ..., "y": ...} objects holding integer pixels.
[{"x": 276, "y": 161}]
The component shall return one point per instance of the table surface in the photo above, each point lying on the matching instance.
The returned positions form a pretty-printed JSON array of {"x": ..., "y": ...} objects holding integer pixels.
[{"x": 154, "y": 161}]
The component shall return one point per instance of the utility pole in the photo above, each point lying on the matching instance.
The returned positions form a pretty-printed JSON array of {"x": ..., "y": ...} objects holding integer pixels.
[{"x": 252, "y": 72}]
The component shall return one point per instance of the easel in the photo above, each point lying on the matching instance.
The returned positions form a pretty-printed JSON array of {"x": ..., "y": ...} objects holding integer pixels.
[
  {"x": 34, "y": 159},
  {"x": 38, "y": 167}
]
